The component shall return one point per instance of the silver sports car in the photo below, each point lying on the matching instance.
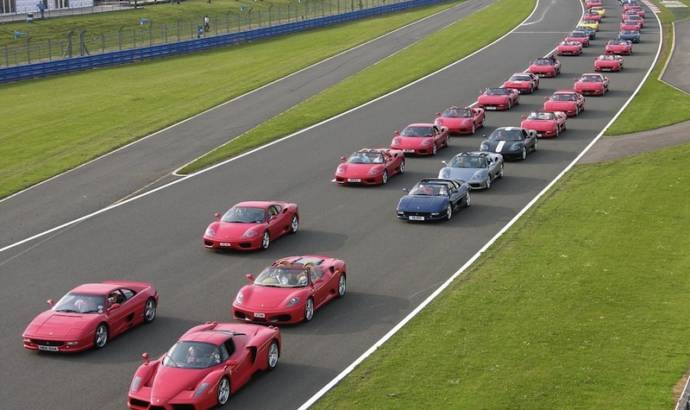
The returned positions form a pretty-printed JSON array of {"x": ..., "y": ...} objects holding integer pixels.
[{"x": 478, "y": 169}]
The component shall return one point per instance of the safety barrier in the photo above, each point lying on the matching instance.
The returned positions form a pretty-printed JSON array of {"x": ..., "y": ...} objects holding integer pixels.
[{"x": 162, "y": 50}]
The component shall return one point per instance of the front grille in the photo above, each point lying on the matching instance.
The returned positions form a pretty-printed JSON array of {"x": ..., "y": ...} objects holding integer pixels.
[
  {"x": 417, "y": 214},
  {"x": 208, "y": 243},
  {"x": 476, "y": 185},
  {"x": 259, "y": 319},
  {"x": 281, "y": 318},
  {"x": 47, "y": 342},
  {"x": 240, "y": 315},
  {"x": 182, "y": 406},
  {"x": 137, "y": 402},
  {"x": 245, "y": 245},
  {"x": 156, "y": 408}
]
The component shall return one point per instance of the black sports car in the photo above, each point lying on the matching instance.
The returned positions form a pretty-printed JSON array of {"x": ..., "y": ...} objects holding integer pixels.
[
  {"x": 511, "y": 142},
  {"x": 433, "y": 199}
]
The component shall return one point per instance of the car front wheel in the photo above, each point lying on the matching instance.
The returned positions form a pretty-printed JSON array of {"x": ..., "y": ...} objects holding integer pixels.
[
  {"x": 266, "y": 240},
  {"x": 273, "y": 356},
  {"x": 309, "y": 310},
  {"x": 101, "y": 338},
  {"x": 223, "y": 394},
  {"x": 150, "y": 310}
]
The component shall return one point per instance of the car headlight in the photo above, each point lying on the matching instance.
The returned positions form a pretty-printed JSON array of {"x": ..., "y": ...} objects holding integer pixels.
[
  {"x": 250, "y": 233},
  {"x": 210, "y": 232},
  {"x": 375, "y": 170},
  {"x": 396, "y": 141},
  {"x": 293, "y": 301},
  {"x": 341, "y": 169},
  {"x": 136, "y": 383},
  {"x": 73, "y": 343},
  {"x": 438, "y": 121},
  {"x": 239, "y": 298},
  {"x": 484, "y": 147},
  {"x": 435, "y": 214},
  {"x": 427, "y": 142},
  {"x": 200, "y": 390},
  {"x": 477, "y": 176},
  {"x": 445, "y": 173},
  {"x": 516, "y": 145}
]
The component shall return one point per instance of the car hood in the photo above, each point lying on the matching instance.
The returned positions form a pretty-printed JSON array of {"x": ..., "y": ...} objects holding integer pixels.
[
  {"x": 464, "y": 174},
  {"x": 358, "y": 170},
  {"x": 541, "y": 68},
  {"x": 453, "y": 122},
  {"x": 588, "y": 86},
  {"x": 493, "y": 99},
  {"x": 265, "y": 297},
  {"x": 57, "y": 325},
  {"x": 234, "y": 231},
  {"x": 502, "y": 146},
  {"x": 416, "y": 203},
  {"x": 559, "y": 105},
  {"x": 539, "y": 125},
  {"x": 516, "y": 84},
  {"x": 168, "y": 382},
  {"x": 409, "y": 142}
]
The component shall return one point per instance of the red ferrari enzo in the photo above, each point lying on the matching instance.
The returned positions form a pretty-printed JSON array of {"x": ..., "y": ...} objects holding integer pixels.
[
  {"x": 90, "y": 315},
  {"x": 205, "y": 367},
  {"x": 608, "y": 62},
  {"x": 569, "y": 48},
  {"x": 370, "y": 166},
  {"x": 461, "y": 120},
  {"x": 252, "y": 225},
  {"x": 546, "y": 124},
  {"x": 525, "y": 83},
  {"x": 420, "y": 139},
  {"x": 620, "y": 47},
  {"x": 567, "y": 101},
  {"x": 546, "y": 66},
  {"x": 498, "y": 98},
  {"x": 291, "y": 290},
  {"x": 592, "y": 83}
]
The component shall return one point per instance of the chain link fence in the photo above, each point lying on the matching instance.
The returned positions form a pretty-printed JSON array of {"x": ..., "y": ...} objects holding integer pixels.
[{"x": 82, "y": 43}]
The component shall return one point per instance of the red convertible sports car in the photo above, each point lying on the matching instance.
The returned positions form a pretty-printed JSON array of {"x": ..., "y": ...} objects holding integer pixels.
[
  {"x": 205, "y": 367},
  {"x": 579, "y": 36},
  {"x": 420, "y": 139},
  {"x": 633, "y": 17},
  {"x": 498, "y": 98},
  {"x": 620, "y": 47},
  {"x": 569, "y": 48},
  {"x": 291, "y": 290},
  {"x": 592, "y": 84},
  {"x": 629, "y": 8},
  {"x": 608, "y": 62},
  {"x": 90, "y": 315},
  {"x": 461, "y": 120},
  {"x": 370, "y": 166},
  {"x": 567, "y": 101},
  {"x": 546, "y": 66},
  {"x": 252, "y": 225},
  {"x": 546, "y": 124},
  {"x": 630, "y": 25},
  {"x": 525, "y": 83}
]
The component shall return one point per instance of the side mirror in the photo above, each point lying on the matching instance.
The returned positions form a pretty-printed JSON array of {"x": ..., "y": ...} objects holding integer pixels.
[
  {"x": 285, "y": 210},
  {"x": 216, "y": 215},
  {"x": 546, "y": 98},
  {"x": 249, "y": 277},
  {"x": 343, "y": 158},
  {"x": 405, "y": 190},
  {"x": 523, "y": 117},
  {"x": 50, "y": 302},
  {"x": 272, "y": 217},
  {"x": 396, "y": 132},
  {"x": 438, "y": 114},
  {"x": 145, "y": 358},
  {"x": 444, "y": 163},
  {"x": 113, "y": 307}
]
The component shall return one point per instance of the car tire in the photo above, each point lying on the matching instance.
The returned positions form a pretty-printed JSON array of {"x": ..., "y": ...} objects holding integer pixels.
[
  {"x": 294, "y": 224},
  {"x": 342, "y": 285},
  {"x": 309, "y": 310},
  {"x": 273, "y": 356},
  {"x": 266, "y": 240},
  {"x": 534, "y": 147},
  {"x": 150, "y": 310},
  {"x": 434, "y": 150},
  {"x": 523, "y": 156},
  {"x": 401, "y": 169},
  {"x": 500, "y": 173},
  {"x": 101, "y": 337},
  {"x": 449, "y": 212},
  {"x": 510, "y": 104},
  {"x": 384, "y": 177},
  {"x": 474, "y": 128},
  {"x": 468, "y": 200},
  {"x": 488, "y": 182},
  {"x": 223, "y": 393},
  {"x": 558, "y": 130}
]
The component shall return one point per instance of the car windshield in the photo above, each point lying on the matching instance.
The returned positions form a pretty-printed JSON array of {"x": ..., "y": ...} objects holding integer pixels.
[
  {"x": 607, "y": 57},
  {"x": 468, "y": 161},
  {"x": 618, "y": 42},
  {"x": 520, "y": 77},
  {"x": 192, "y": 355},
  {"x": 417, "y": 132},
  {"x": 590, "y": 78},
  {"x": 283, "y": 277},
  {"x": 427, "y": 189},
  {"x": 541, "y": 116},
  {"x": 564, "y": 97},
  {"x": 497, "y": 91},
  {"x": 579, "y": 34},
  {"x": 457, "y": 113},
  {"x": 368, "y": 157},
  {"x": 633, "y": 17},
  {"x": 502, "y": 134},
  {"x": 630, "y": 22},
  {"x": 570, "y": 43},
  {"x": 543, "y": 61},
  {"x": 80, "y": 303},
  {"x": 630, "y": 33},
  {"x": 244, "y": 215}
]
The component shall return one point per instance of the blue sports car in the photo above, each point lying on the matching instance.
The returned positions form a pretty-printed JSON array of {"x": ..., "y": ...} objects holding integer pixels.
[
  {"x": 629, "y": 35},
  {"x": 433, "y": 199}
]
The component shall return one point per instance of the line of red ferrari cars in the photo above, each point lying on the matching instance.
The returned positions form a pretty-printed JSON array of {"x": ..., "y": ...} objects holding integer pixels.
[{"x": 212, "y": 361}]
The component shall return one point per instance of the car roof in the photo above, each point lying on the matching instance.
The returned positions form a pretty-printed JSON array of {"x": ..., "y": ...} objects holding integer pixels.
[
  {"x": 255, "y": 204},
  {"x": 421, "y": 124},
  {"x": 508, "y": 128},
  {"x": 473, "y": 154},
  {"x": 210, "y": 333},
  {"x": 96, "y": 288},
  {"x": 565, "y": 92},
  {"x": 437, "y": 181},
  {"x": 597, "y": 74}
]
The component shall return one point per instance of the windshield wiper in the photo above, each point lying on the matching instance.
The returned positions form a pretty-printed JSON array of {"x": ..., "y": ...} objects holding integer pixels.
[{"x": 67, "y": 310}]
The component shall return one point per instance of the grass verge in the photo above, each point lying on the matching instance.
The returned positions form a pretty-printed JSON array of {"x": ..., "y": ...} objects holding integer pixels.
[
  {"x": 423, "y": 57},
  {"x": 54, "y": 124},
  {"x": 582, "y": 304},
  {"x": 657, "y": 104}
]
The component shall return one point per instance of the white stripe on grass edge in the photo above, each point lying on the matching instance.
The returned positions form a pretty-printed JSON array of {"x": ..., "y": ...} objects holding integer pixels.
[
  {"x": 134, "y": 198},
  {"x": 483, "y": 249},
  {"x": 215, "y": 107}
]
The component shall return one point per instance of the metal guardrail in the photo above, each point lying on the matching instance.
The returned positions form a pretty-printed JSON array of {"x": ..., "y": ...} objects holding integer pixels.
[{"x": 48, "y": 68}]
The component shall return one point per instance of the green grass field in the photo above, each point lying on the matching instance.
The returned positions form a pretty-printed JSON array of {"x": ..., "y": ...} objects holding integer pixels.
[
  {"x": 425, "y": 56},
  {"x": 54, "y": 124},
  {"x": 657, "y": 104},
  {"x": 582, "y": 305}
]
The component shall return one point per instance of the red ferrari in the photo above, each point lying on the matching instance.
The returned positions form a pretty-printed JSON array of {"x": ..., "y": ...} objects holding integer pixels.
[
  {"x": 205, "y": 367},
  {"x": 629, "y": 9},
  {"x": 633, "y": 17},
  {"x": 420, "y": 139},
  {"x": 630, "y": 25},
  {"x": 291, "y": 290},
  {"x": 461, "y": 120},
  {"x": 592, "y": 84},
  {"x": 620, "y": 47},
  {"x": 567, "y": 101},
  {"x": 498, "y": 98},
  {"x": 546, "y": 124},
  {"x": 252, "y": 225},
  {"x": 525, "y": 83},
  {"x": 90, "y": 315},
  {"x": 546, "y": 66},
  {"x": 592, "y": 17},
  {"x": 608, "y": 62},
  {"x": 569, "y": 48},
  {"x": 370, "y": 166},
  {"x": 593, "y": 3},
  {"x": 579, "y": 36}
]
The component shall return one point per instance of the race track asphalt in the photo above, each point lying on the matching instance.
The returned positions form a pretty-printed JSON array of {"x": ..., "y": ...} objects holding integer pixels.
[
  {"x": 136, "y": 167},
  {"x": 392, "y": 265}
]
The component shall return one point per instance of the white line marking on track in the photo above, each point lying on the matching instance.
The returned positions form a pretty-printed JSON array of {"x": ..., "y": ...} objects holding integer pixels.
[
  {"x": 541, "y": 18},
  {"x": 483, "y": 249}
]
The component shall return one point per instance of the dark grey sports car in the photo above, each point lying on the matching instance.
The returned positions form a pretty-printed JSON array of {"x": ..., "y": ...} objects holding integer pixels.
[
  {"x": 511, "y": 142},
  {"x": 433, "y": 199},
  {"x": 479, "y": 169}
]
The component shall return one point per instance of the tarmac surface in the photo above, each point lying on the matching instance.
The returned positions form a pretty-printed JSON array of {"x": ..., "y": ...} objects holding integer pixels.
[
  {"x": 392, "y": 265},
  {"x": 678, "y": 70}
]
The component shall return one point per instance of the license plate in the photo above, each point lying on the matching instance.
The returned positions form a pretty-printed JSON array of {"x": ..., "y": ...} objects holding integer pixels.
[
  {"x": 48, "y": 348},
  {"x": 408, "y": 151},
  {"x": 416, "y": 218},
  {"x": 226, "y": 244},
  {"x": 354, "y": 180},
  {"x": 260, "y": 315},
  {"x": 490, "y": 108}
]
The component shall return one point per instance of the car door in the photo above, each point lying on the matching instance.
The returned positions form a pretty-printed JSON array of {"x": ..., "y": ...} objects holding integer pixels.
[
  {"x": 319, "y": 282},
  {"x": 453, "y": 195},
  {"x": 119, "y": 312},
  {"x": 276, "y": 225},
  {"x": 136, "y": 302},
  {"x": 240, "y": 362},
  {"x": 528, "y": 139}
]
